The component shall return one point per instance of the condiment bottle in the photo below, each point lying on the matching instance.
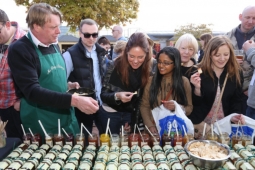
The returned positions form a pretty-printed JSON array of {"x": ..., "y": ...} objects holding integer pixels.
[
  {"x": 104, "y": 139},
  {"x": 155, "y": 139},
  {"x": 37, "y": 139},
  {"x": 124, "y": 140},
  {"x": 93, "y": 140},
  {"x": 246, "y": 140},
  {"x": 166, "y": 139},
  {"x": 177, "y": 140},
  {"x": 58, "y": 139},
  {"x": 69, "y": 140},
  {"x": 80, "y": 139},
  {"x": 115, "y": 140},
  {"x": 236, "y": 140},
  {"x": 133, "y": 139},
  {"x": 144, "y": 139},
  {"x": 49, "y": 140},
  {"x": 212, "y": 136},
  {"x": 27, "y": 138}
]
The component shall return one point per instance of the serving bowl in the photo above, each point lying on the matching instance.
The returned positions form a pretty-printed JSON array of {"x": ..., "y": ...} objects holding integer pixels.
[
  {"x": 206, "y": 162},
  {"x": 82, "y": 91}
]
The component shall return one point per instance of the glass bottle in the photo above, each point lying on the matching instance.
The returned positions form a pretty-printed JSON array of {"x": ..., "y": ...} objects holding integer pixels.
[
  {"x": 93, "y": 140},
  {"x": 80, "y": 139},
  {"x": 104, "y": 140}
]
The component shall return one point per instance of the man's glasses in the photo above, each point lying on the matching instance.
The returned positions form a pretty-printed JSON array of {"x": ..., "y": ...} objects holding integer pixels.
[
  {"x": 114, "y": 30},
  {"x": 87, "y": 35},
  {"x": 165, "y": 63}
]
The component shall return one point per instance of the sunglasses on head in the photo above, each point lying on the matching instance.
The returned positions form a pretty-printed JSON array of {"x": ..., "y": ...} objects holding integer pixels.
[{"x": 87, "y": 35}]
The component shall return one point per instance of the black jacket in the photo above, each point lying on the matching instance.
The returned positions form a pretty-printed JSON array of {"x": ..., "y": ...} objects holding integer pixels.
[
  {"x": 26, "y": 69},
  {"x": 112, "y": 83},
  {"x": 83, "y": 65},
  {"x": 231, "y": 99}
]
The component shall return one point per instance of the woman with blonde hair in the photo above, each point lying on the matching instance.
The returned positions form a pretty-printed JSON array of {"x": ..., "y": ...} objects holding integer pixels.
[
  {"x": 218, "y": 65},
  {"x": 119, "y": 47},
  {"x": 188, "y": 47}
]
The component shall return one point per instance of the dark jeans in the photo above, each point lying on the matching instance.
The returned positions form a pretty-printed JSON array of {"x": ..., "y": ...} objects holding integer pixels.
[
  {"x": 117, "y": 119},
  {"x": 13, "y": 127},
  {"x": 87, "y": 121},
  {"x": 250, "y": 112}
]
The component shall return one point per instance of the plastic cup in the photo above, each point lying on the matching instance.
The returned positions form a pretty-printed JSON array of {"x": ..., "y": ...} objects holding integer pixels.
[{"x": 239, "y": 54}]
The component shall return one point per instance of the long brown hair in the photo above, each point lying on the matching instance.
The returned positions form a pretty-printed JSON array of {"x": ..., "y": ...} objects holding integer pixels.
[
  {"x": 232, "y": 67},
  {"x": 206, "y": 38},
  {"x": 121, "y": 64}
]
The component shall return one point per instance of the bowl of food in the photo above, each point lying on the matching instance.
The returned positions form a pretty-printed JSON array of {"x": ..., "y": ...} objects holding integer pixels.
[
  {"x": 207, "y": 154},
  {"x": 82, "y": 91}
]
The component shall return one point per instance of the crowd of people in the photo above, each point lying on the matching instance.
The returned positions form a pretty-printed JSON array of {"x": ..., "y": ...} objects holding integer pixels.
[{"x": 129, "y": 79}]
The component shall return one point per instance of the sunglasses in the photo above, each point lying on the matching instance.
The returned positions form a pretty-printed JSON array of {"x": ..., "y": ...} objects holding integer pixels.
[{"x": 87, "y": 35}]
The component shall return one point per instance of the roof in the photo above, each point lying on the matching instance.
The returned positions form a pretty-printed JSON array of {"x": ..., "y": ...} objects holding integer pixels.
[
  {"x": 153, "y": 38},
  {"x": 161, "y": 35},
  {"x": 68, "y": 38},
  {"x": 109, "y": 37}
]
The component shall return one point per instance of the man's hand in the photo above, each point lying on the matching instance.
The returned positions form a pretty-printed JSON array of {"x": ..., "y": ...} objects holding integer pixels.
[
  {"x": 246, "y": 92},
  {"x": 248, "y": 44},
  {"x": 73, "y": 85},
  {"x": 17, "y": 105},
  {"x": 127, "y": 127},
  {"x": 86, "y": 104}
]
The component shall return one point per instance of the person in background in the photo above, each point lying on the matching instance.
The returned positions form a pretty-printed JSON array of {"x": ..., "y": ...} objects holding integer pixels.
[
  {"x": 188, "y": 47},
  {"x": 117, "y": 33},
  {"x": 39, "y": 73},
  {"x": 124, "y": 82},
  {"x": 249, "y": 49},
  {"x": 105, "y": 43},
  {"x": 9, "y": 102},
  {"x": 204, "y": 39},
  {"x": 84, "y": 64},
  {"x": 218, "y": 64},
  {"x": 119, "y": 48},
  {"x": 167, "y": 79},
  {"x": 154, "y": 53},
  {"x": 238, "y": 35}
]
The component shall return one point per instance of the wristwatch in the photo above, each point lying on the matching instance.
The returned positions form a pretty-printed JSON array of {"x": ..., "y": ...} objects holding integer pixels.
[{"x": 115, "y": 97}]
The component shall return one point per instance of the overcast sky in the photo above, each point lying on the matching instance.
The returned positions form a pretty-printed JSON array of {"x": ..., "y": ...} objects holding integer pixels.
[{"x": 167, "y": 15}]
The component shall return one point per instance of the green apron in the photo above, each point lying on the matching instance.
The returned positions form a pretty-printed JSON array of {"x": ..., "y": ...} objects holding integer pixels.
[{"x": 53, "y": 77}]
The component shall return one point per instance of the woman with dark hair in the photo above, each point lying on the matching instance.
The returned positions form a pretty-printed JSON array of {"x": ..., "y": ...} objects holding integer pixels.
[
  {"x": 124, "y": 82},
  {"x": 204, "y": 39},
  {"x": 167, "y": 84},
  {"x": 219, "y": 64}
]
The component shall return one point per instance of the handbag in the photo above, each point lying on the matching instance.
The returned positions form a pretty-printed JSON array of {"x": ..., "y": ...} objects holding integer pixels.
[{"x": 198, "y": 128}]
